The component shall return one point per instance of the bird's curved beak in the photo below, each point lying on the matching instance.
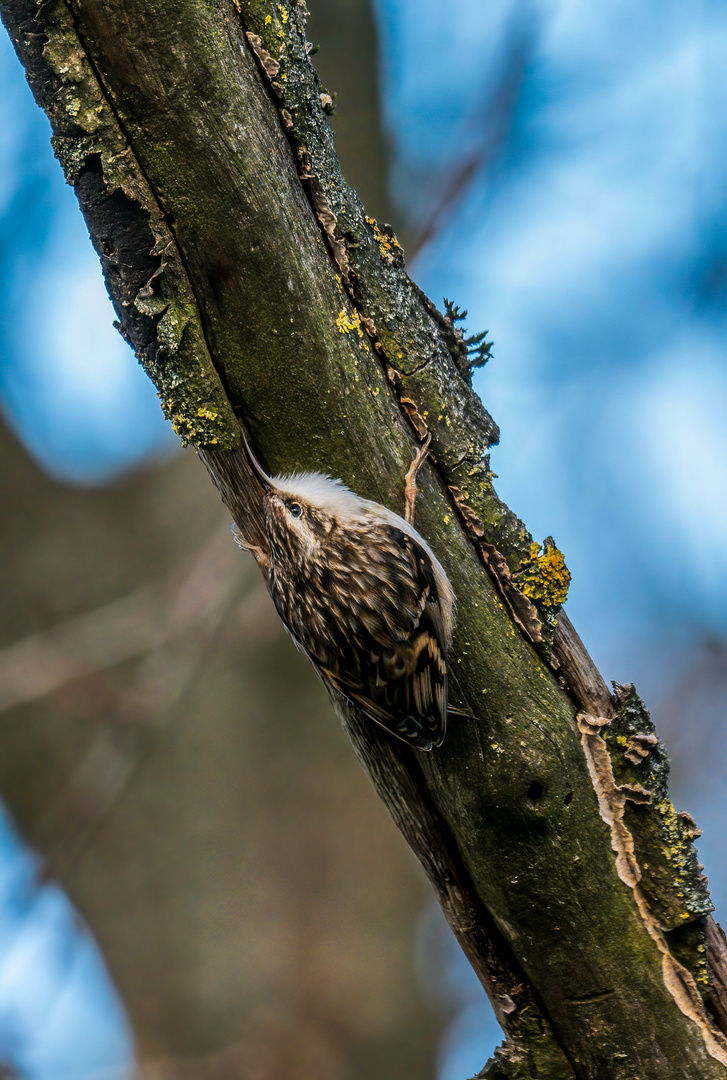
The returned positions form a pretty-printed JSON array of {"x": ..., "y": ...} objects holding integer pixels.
[{"x": 257, "y": 468}]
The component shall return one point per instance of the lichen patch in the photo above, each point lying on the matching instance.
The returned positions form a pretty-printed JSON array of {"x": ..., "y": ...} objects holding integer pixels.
[
  {"x": 543, "y": 576},
  {"x": 349, "y": 322}
]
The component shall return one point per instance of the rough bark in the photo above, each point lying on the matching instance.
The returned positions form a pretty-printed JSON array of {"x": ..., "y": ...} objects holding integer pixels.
[{"x": 252, "y": 286}]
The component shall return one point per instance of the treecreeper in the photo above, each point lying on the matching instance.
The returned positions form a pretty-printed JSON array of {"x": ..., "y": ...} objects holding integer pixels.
[{"x": 363, "y": 596}]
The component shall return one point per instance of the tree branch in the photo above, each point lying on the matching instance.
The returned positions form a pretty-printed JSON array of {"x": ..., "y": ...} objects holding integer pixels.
[{"x": 251, "y": 284}]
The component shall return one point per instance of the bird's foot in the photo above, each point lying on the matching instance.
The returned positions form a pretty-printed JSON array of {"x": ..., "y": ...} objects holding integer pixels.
[
  {"x": 410, "y": 483},
  {"x": 261, "y": 557}
]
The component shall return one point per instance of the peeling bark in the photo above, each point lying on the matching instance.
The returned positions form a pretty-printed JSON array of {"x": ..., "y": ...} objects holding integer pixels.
[{"x": 252, "y": 285}]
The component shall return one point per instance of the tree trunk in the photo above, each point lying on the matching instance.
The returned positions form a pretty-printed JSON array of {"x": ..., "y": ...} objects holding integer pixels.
[{"x": 252, "y": 287}]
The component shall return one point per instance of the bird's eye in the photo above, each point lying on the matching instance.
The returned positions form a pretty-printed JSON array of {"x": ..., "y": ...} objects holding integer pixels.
[{"x": 295, "y": 509}]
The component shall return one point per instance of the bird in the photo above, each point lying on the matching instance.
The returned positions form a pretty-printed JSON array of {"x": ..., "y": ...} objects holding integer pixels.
[{"x": 362, "y": 595}]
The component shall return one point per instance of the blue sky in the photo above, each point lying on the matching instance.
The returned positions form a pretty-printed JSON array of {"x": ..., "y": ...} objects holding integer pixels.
[{"x": 59, "y": 1016}]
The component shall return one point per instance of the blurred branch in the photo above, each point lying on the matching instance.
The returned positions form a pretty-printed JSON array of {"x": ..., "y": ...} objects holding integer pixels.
[
  {"x": 494, "y": 114},
  {"x": 185, "y": 632},
  {"x": 348, "y": 64},
  {"x": 44, "y": 662}
]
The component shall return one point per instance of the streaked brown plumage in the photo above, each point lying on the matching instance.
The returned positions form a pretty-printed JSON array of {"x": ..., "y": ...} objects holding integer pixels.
[{"x": 365, "y": 598}]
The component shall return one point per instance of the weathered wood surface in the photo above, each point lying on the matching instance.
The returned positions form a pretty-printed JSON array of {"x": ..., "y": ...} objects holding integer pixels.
[{"x": 252, "y": 286}]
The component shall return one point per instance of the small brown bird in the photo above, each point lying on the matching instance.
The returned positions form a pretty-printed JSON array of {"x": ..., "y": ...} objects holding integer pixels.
[{"x": 364, "y": 597}]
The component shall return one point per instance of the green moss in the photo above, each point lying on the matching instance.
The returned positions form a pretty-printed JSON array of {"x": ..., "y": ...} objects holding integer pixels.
[{"x": 534, "y": 1059}]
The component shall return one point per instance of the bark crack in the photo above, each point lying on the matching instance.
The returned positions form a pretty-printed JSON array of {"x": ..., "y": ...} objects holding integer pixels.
[{"x": 612, "y": 799}]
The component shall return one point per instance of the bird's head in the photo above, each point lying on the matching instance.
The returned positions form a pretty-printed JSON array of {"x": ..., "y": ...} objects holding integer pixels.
[{"x": 304, "y": 511}]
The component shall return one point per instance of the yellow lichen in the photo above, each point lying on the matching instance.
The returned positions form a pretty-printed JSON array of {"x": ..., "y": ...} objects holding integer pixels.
[
  {"x": 346, "y": 323},
  {"x": 386, "y": 243},
  {"x": 677, "y": 852},
  {"x": 544, "y": 577}
]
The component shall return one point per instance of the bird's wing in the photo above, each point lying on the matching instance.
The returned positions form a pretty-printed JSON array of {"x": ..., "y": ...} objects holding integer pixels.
[
  {"x": 423, "y": 727},
  {"x": 391, "y": 656}
]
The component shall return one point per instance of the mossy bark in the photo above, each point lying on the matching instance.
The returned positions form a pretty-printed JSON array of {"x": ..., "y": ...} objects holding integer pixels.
[{"x": 252, "y": 286}]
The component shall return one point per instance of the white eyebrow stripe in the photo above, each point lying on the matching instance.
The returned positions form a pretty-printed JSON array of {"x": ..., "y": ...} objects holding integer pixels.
[{"x": 321, "y": 491}]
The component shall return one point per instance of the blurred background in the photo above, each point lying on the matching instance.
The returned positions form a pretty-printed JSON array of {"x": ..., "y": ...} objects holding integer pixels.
[{"x": 221, "y": 895}]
